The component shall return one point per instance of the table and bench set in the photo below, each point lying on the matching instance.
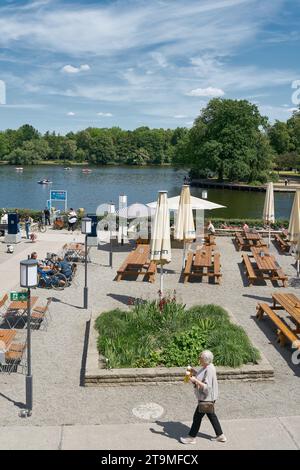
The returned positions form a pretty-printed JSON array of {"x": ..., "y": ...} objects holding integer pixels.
[{"x": 12, "y": 315}]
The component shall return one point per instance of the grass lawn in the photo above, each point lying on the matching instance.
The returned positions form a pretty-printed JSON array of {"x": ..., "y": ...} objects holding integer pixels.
[{"x": 168, "y": 334}]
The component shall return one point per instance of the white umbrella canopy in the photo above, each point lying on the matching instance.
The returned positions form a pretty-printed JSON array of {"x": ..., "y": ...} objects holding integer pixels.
[
  {"x": 185, "y": 227},
  {"x": 160, "y": 247},
  {"x": 136, "y": 210},
  {"x": 268, "y": 212},
  {"x": 294, "y": 225},
  {"x": 196, "y": 202}
]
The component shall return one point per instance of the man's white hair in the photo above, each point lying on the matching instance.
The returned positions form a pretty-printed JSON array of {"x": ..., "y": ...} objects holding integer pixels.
[{"x": 207, "y": 356}]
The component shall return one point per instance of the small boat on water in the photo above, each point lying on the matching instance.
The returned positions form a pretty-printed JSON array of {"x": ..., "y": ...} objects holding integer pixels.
[
  {"x": 45, "y": 181},
  {"x": 86, "y": 170},
  {"x": 67, "y": 168},
  {"x": 19, "y": 168}
]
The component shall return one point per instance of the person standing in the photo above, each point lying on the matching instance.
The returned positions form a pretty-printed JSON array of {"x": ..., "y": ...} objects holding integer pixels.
[
  {"x": 28, "y": 221},
  {"x": 72, "y": 220},
  {"x": 206, "y": 391},
  {"x": 210, "y": 228},
  {"x": 47, "y": 216}
]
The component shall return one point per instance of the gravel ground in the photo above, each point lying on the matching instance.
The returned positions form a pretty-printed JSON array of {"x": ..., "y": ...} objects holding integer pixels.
[{"x": 58, "y": 352}]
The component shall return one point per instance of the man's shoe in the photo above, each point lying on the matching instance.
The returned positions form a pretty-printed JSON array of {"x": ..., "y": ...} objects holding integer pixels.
[
  {"x": 188, "y": 440},
  {"x": 221, "y": 438}
]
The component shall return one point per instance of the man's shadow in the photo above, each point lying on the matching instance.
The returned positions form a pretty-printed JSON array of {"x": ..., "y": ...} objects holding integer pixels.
[{"x": 175, "y": 430}]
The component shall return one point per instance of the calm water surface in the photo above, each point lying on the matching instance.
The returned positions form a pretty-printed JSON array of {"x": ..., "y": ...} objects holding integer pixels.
[{"x": 105, "y": 184}]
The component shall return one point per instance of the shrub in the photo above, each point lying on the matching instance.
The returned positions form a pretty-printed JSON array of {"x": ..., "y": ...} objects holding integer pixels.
[{"x": 154, "y": 334}]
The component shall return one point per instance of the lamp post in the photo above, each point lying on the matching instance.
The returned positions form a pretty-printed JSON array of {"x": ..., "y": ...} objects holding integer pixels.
[
  {"x": 111, "y": 210},
  {"x": 86, "y": 229},
  {"x": 28, "y": 279}
]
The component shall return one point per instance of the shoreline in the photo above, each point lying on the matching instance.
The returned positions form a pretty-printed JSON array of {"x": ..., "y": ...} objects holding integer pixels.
[{"x": 291, "y": 188}]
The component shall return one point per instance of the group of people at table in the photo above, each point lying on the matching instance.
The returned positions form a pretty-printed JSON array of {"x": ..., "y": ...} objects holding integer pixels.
[{"x": 51, "y": 267}]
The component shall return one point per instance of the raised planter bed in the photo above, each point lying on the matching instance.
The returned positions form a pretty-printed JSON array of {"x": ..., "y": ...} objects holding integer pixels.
[{"x": 97, "y": 375}]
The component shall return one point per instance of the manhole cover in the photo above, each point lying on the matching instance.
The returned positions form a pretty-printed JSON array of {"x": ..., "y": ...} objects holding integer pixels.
[{"x": 148, "y": 411}]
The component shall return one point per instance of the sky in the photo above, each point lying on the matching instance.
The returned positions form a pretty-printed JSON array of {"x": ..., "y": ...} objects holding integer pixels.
[{"x": 68, "y": 65}]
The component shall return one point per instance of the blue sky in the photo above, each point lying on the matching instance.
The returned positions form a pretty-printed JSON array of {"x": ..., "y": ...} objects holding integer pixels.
[{"x": 68, "y": 65}]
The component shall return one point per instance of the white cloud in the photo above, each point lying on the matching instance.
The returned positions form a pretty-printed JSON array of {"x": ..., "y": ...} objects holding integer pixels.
[
  {"x": 160, "y": 59},
  {"x": 180, "y": 116},
  {"x": 209, "y": 91},
  {"x": 71, "y": 69},
  {"x": 104, "y": 114},
  {"x": 71, "y": 113}
]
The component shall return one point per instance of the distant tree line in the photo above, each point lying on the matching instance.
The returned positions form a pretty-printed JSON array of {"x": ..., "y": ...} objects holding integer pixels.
[
  {"x": 143, "y": 146},
  {"x": 229, "y": 140}
]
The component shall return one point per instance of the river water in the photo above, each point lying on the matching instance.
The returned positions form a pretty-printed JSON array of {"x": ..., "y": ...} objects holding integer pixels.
[{"x": 140, "y": 184}]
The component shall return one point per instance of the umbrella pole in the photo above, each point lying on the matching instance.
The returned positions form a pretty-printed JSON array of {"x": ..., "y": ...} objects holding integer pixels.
[
  {"x": 183, "y": 255},
  {"x": 297, "y": 268},
  {"x": 161, "y": 279},
  {"x": 269, "y": 235}
]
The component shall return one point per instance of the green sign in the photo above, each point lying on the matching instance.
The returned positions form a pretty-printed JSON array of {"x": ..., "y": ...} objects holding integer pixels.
[{"x": 19, "y": 296}]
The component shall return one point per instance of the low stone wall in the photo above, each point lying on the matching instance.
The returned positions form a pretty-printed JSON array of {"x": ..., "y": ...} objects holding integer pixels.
[{"x": 96, "y": 375}]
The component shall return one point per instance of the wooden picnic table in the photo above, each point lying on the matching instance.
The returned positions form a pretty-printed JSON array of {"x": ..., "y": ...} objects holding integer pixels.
[
  {"x": 138, "y": 263},
  {"x": 265, "y": 267},
  {"x": 204, "y": 262},
  {"x": 139, "y": 256},
  {"x": 290, "y": 303},
  {"x": 252, "y": 236},
  {"x": 7, "y": 337},
  {"x": 203, "y": 257},
  {"x": 265, "y": 263}
]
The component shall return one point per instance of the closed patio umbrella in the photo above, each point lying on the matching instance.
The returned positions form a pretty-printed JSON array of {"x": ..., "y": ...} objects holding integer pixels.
[
  {"x": 185, "y": 227},
  {"x": 160, "y": 248},
  {"x": 297, "y": 255},
  {"x": 294, "y": 225},
  {"x": 268, "y": 212}
]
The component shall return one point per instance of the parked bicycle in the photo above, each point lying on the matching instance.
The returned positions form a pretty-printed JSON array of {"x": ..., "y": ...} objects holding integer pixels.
[
  {"x": 41, "y": 226},
  {"x": 50, "y": 279}
]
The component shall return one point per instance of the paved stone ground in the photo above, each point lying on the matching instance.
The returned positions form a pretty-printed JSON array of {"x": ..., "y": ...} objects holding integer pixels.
[{"x": 57, "y": 353}]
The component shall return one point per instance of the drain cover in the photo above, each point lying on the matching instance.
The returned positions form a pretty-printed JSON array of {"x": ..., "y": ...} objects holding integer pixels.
[{"x": 148, "y": 411}]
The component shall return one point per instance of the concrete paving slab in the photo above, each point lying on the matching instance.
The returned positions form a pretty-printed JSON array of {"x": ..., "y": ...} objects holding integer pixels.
[
  {"x": 292, "y": 425},
  {"x": 30, "y": 437},
  {"x": 245, "y": 434}
]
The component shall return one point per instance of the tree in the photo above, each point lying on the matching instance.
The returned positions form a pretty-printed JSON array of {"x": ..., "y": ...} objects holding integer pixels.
[
  {"x": 69, "y": 149},
  {"x": 280, "y": 137},
  {"x": 228, "y": 140}
]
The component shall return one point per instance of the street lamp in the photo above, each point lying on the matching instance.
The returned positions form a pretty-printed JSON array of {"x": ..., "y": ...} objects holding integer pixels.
[
  {"x": 111, "y": 211},
  {"x": 86, "y": 229},
  {"x": 28, "y": 279}
]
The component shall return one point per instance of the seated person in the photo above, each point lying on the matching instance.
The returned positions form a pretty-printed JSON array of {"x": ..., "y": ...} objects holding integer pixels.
[
  {"x": 65, "y": 268},
  {"x": 246, "y": 227},
  {"x": 210, "y": 228}
]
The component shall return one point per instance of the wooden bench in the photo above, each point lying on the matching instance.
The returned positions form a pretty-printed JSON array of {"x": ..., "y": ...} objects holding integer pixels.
[
  {"x": 188, "y": 267},
  {"x": 249, "y": 269},
  {"x": 283, "y": 245},
  {"x": 210, "y": 239},
  {"x": 280, "y": 276},
  {"x": 239, "y": 241},
  {"x": 14, "y": 356},
  {"x": 217, "y": 268},
  {"x": 283, "y": 331}
]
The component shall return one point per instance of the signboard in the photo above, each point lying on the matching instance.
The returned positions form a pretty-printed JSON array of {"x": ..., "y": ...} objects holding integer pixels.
[
  {"x": 18, "y": 296},
  {"x": 58, "y": 195}
]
